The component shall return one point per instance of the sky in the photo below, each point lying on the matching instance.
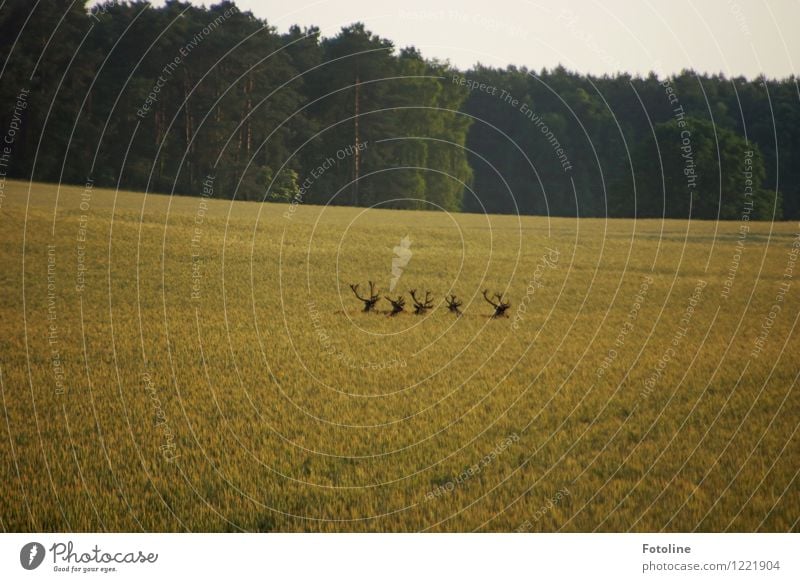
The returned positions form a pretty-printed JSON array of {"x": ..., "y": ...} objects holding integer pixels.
[{"x": 734, "y": 37}]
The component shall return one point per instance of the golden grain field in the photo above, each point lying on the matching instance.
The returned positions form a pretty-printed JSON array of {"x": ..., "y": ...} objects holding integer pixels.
[{"x": 192, "y": 364}]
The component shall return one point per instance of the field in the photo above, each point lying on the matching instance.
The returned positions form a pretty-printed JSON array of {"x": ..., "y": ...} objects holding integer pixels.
[{"x": 177, "y": 364}]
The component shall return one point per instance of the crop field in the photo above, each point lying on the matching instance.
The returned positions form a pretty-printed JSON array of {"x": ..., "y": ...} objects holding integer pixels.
[{"x": 193, "y": 364}]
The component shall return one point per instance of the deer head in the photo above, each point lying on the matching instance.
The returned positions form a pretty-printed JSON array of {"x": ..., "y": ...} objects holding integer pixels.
[
  {"x": 420, "y": 305},
  {"x": 453, "y": 305},
  {"x": 397, "y": 305},
  {"x": 499, "y": 305},
  {"x": 370, "y": 300}
]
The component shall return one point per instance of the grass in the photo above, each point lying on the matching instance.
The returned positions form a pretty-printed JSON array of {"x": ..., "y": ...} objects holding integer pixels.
[{"x": 217, "y": 373}]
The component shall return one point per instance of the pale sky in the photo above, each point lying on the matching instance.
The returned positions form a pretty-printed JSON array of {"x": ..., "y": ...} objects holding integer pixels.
[{"x": 735, "y": 37}]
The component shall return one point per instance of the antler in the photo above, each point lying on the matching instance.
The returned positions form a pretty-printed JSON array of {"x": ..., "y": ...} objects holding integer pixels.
[
  {"x": 500, "y": 307},
  {"x": 421, "y": 306},
  {"x": 369, "y": 302},
  {"x": 485, "y": 296},
  {"x": 355, "y": 291},
  {"x": 453, "y": 304}
]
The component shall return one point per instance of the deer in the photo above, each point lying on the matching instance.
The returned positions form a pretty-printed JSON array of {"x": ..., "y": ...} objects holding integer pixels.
[
  {"x": 420, "y": 306},
  {"x": 500, "y": 306},
  {"x": 370, "y": 300},
  {"x": 397, "y": 304},
  {"x": 453, "y": 305}
]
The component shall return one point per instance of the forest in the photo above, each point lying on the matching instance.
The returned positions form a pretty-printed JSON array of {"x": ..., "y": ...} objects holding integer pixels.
[{"x": 167, "y": 99}]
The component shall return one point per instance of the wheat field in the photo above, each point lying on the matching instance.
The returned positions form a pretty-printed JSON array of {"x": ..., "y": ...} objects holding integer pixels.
[{"x": 193, "y": 364}]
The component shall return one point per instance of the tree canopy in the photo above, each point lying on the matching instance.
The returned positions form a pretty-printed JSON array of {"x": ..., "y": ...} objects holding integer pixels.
[{"x": 159, "y": 99}]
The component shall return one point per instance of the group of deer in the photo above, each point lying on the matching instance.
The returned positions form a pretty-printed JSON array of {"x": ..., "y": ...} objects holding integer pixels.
[{"x": 422, "y": 305}]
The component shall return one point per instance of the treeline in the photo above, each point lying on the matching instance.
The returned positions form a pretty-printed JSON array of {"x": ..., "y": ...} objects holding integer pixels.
[
  {"x": 161, "y": 99},
  {"x": 635, "y": 146}
]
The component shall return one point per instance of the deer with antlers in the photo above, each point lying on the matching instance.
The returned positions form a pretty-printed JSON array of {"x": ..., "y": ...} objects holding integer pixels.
[
  {"x": 370, "y": 300},
  {"x": 453, "y": 305},
  {"x": 397, "y": 305},
  {"x": 499, "y": 305},
  {"x": 421, "y": 306}
]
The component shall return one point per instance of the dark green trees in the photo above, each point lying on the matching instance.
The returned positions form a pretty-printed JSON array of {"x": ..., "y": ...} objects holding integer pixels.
[
  {"x": 408, "y": 127},
  {"x": 618, "y": 132},
  {"x": 696, "y": 169},
  {"x": 161, "y": 98}
]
